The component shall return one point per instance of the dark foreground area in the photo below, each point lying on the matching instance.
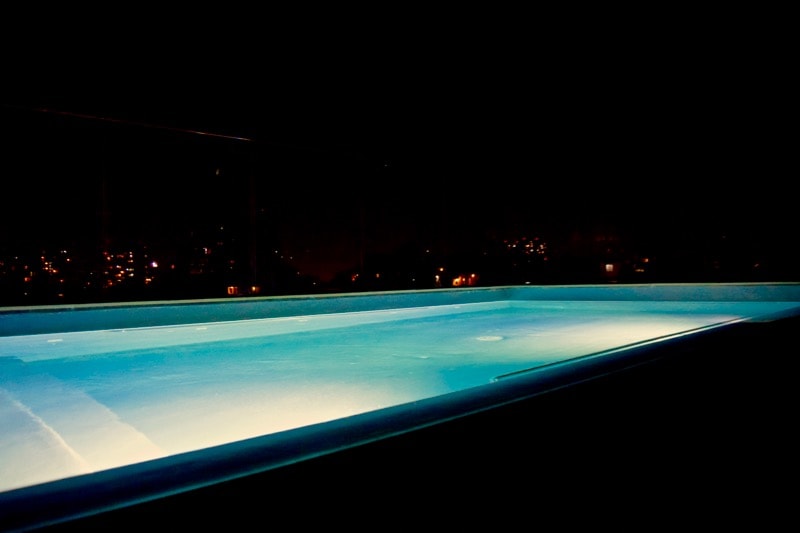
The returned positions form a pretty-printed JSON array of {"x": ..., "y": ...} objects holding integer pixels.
[{"x": 700, "y": 437}]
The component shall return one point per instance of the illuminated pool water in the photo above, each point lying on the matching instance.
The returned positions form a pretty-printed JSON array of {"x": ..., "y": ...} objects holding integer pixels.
[{"x": 81, "y": 393}]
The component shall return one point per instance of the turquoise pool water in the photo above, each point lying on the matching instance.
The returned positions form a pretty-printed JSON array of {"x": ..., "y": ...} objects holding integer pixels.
[{"x": 76, "y": 402}]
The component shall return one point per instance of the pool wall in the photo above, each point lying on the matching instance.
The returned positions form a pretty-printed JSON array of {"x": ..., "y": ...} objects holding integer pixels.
[{"x": 50, "y": 319}]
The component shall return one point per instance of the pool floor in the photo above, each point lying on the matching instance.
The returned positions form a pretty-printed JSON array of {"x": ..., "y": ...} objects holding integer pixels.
[{"x": 80, "y": 402}]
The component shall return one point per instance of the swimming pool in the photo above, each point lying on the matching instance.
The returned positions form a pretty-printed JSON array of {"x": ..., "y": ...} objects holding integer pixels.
[{"x": 91, "y": 394}]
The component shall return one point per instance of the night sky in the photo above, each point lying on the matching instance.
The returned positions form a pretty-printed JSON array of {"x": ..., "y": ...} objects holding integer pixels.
[{"x": 660, "y": 144}]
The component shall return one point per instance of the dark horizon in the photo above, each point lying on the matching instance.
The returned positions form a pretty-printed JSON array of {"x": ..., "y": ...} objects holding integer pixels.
[{"x": 86, "y": 178}]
